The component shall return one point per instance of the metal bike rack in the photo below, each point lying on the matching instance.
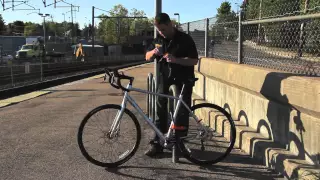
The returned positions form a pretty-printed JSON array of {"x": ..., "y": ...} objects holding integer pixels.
[
  {"x": 149, "y": 96},
  {"x": 151, "y": 109}
]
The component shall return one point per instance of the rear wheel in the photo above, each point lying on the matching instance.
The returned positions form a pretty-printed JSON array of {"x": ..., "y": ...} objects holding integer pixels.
[
  {"x": 125, "y": 140},
  {"x": 214, "y": 134}
]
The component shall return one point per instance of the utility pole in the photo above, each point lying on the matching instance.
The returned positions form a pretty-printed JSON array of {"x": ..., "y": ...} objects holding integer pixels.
[
  {"x": 64, "y": 25},
  {"x": 92, "y": 30},
  {"x": 259, "y": 26},
  {"x": 72, "y": 27},
  {"x": 158, "y": 9}
]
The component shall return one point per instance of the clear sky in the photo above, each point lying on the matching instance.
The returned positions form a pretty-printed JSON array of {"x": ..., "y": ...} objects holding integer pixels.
[{"x": 189, "y": 10}]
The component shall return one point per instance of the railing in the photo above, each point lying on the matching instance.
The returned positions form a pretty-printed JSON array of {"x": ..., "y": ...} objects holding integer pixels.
[
  {"x": 20, "y": 74},
  {"x": 288, "y": 41}
]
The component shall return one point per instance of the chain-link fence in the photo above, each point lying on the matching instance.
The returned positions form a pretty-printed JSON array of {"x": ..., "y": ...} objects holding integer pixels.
[
  {"x": 283, "y": 36},
  {"x": 37, "y": 54}
]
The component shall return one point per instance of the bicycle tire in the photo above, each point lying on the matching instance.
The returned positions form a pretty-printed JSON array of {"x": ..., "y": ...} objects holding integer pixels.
[
  {"x": 128, "y": 155},
  {"x": 193, "y": 159}
]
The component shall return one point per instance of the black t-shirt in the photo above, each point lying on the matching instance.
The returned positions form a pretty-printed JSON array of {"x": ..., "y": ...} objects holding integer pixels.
[{"x": 180, "y": 46}]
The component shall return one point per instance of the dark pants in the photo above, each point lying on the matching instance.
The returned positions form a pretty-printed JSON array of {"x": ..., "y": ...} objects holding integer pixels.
[{"x": 162, "y": 105}]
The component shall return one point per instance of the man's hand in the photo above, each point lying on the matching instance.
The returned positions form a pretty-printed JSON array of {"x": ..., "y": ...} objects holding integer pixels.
[
  {"x": 153, "y": 52},
  {"x": 170, "y": 58},
  {"x": 157, "y": 52}
]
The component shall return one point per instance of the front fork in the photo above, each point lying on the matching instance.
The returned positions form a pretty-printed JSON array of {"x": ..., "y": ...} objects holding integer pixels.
[{"x": 116, "y": 122}]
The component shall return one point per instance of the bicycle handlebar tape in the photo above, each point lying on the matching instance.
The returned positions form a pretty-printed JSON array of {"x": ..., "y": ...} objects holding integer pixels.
[
  {"x": 112, "y": 83},
  {"x": 125, "y": 77},
  {"x": 115, "y": 74}
]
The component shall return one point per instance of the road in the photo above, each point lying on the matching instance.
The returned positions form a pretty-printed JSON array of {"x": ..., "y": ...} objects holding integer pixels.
[{"x": 38, "y": 140}]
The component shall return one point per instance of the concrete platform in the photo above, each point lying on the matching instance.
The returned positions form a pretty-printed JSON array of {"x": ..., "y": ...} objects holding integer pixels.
[{"x": 38, "y": 135}]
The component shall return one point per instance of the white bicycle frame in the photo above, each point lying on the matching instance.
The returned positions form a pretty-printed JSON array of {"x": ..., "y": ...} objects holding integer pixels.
[{"x": 116, "y": 123}]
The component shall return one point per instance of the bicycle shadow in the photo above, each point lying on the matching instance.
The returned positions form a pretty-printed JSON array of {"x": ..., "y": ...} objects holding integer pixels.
[{"x": 191, "y": 171}]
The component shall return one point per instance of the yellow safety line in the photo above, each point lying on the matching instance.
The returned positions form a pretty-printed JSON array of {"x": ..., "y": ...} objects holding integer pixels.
[{"x": 21, "y": 98}]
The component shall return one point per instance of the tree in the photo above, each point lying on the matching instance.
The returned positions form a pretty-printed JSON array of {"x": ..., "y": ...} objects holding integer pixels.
[
  {"x": 139, "y": 25},
  {"x": 18, "y": 27},
  {"x": 31, "y": 29},
  {"x": 225, "y": 14},
  {"x": 86, "y": 32},
  {"x": 226, "y": 26},
  {"x": 2, "y": 25},
  {"x": 117, "y": 31}
]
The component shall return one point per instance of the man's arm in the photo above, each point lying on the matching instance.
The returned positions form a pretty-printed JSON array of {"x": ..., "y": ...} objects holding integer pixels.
[
  {"x": 150, "y": 52},
  {"x": 149, "y": 55}
]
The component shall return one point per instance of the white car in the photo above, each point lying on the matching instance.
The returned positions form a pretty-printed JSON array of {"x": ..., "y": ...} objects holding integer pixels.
[{"x": 5, "y": 58}]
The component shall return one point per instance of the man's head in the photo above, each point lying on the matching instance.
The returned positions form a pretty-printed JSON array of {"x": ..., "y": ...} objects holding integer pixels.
[{"x": 164, "y": 25}]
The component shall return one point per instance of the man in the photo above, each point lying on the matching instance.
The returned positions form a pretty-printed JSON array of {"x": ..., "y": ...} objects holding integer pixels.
[{"x": 179, "y": 57}]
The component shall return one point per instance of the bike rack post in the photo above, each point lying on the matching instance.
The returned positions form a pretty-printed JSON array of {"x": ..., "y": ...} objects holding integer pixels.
[
  {"x": 154, "y": 99},
  {"x": 149, "y": 96},
  {"x": 175, "y": 155},
  {"x": 156, "y": 77}
]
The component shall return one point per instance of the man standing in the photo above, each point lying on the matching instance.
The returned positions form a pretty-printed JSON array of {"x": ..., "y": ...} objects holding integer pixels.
[{"x": 179, "y": 57}]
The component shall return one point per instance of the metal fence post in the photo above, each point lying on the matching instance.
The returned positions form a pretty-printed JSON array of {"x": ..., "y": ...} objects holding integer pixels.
[
  {"x": 188, "y": 27},
  {"x": 41, "y": 59},
  {"x": 206, "y": 47},
  {"x": 11, "y": 72},
  {"x": 240, "y": 39}
]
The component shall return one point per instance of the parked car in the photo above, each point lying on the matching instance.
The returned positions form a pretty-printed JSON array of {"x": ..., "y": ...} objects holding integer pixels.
[{"x": 4, "y": 58}]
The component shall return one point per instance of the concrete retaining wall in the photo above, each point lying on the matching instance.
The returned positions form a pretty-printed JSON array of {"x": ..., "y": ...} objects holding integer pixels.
[{"x": 277, "y": 113}]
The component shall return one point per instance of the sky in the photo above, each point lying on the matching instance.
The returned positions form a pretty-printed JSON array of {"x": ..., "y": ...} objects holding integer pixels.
[{"x": 189, "y": 10}]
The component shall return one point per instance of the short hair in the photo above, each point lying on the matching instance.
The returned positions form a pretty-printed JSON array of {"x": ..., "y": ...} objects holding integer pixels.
[{"x": 162, "y": 18}]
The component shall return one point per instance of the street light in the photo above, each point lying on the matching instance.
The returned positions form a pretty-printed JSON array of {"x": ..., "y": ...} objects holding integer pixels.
[
  {"x": 44, "y": 26},
  {"x": 44, "y": 40},
  {"x": 177, "y": 14}
]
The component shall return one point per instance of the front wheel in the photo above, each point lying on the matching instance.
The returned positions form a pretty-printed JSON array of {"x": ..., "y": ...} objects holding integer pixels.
[
  {"x": 116, "y": 148},
  {"x": 214, "y": 134}
]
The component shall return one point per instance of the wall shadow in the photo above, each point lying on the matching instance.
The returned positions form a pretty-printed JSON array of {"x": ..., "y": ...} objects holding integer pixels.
[
  {"x": 278, "y": 114},
  {"x": 242, "y": 114},
  {"x": 226, "y": 107},
  {"x": 258, "y": 146}
]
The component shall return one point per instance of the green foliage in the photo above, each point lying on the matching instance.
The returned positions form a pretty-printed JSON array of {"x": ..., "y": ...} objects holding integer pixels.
[
  {"x": 2, "y": 25},
  {"x": 117, "y": 31},
  {"x": 225, "y": 27},
  {"x": 225, "y": 14}
]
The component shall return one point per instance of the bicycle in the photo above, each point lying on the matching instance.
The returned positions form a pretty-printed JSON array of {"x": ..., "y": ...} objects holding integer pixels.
[{"x": 168, "y": 141}]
